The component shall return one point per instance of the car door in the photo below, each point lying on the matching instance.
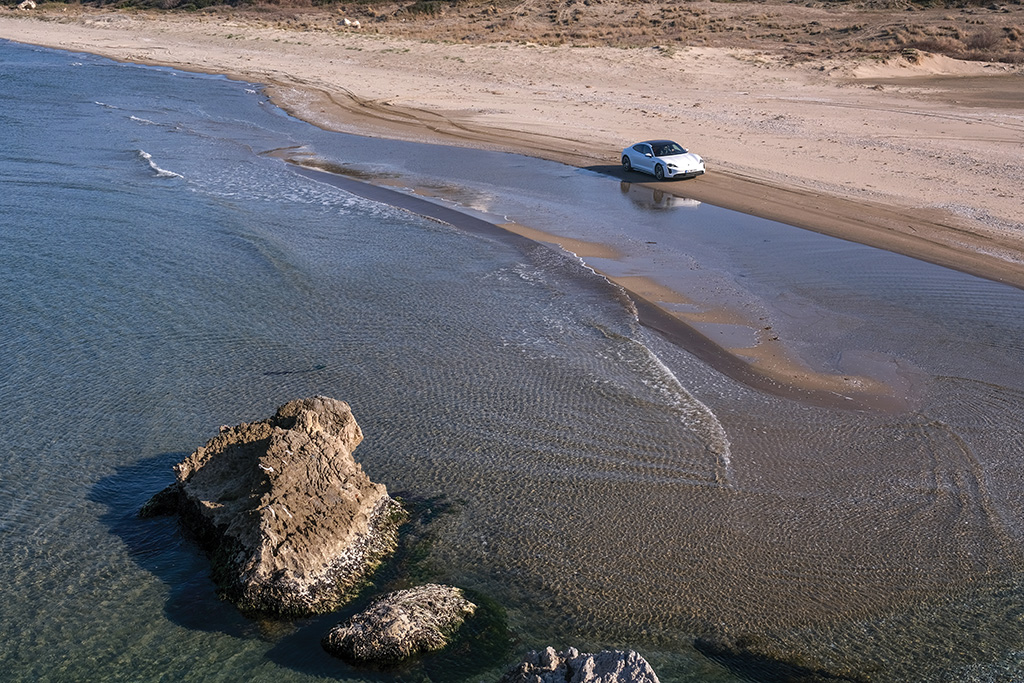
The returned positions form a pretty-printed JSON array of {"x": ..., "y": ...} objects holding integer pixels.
[{"x": 643, "y": 159}]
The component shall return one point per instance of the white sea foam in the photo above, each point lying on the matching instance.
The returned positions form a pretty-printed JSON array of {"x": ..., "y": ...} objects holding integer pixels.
[
  {"x": 160, "y": 172},
  {"x": 629, "y": 351},
  {"x": 144, "y": 121},
  {"x": 699, "y": 418},
  {"x": 697, "y": 415}
]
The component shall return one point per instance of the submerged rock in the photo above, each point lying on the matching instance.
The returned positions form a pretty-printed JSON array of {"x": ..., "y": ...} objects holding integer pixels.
[
  {"x": 572, "y": 666},
  {"x": 291, "y": 522},
  {"x": 400, "y": 624}
]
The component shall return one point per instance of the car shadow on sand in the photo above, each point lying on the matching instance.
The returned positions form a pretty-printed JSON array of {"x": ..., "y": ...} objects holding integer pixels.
[{"x": 616, "y": 171}]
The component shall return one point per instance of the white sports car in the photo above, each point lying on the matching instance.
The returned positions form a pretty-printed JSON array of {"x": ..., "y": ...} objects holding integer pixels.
[{"x": 662, "y": 159}]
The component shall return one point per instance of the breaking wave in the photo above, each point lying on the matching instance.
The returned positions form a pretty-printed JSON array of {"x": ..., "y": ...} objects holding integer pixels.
[
  {"x": 701, "y": 419},
  {"x": 160, "y": 172},
  {"x": 601, "y": 337}
]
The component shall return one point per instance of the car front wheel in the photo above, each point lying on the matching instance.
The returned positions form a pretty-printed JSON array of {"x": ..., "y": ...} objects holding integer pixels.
[
  {"x": 659, "y": 172},
  {"x": 626, "y": 166}
]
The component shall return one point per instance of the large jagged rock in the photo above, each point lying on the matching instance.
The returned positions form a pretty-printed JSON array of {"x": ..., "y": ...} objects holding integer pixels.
[
  {"x": 400, "y": 624},
  {"x": 291, "y": 521},
  {"x": 572, "y": 666}
]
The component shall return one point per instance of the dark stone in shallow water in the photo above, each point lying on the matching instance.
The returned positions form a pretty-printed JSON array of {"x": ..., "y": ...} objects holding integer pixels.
[
  {"x": 746, "y": 657},
  {"x": 290, "y": 520},
  {"x": 400, "y": 624},
  {"x": 572, "y": 666}
]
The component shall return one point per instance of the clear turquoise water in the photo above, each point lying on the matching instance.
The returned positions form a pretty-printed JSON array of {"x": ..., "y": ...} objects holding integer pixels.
[{"x": 161, "y": 275}]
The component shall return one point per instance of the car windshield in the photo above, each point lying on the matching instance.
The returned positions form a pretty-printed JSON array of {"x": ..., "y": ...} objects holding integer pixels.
[{"x": 667, "y": 149}]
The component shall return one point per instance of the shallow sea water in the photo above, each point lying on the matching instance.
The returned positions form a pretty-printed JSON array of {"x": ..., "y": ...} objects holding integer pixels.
[{"x": 161, "y": 274}]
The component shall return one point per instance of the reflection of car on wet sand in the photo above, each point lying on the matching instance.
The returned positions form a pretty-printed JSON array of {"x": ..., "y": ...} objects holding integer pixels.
[
  {"x": 662, "y": 159},
  {"x": 653, "y": 199}
]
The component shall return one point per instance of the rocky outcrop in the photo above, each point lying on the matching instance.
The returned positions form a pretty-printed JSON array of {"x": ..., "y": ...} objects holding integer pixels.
[
  {"x": 572, "y": 666},
  {"x": 400, "y": 624},
  {"x": 291, "y": 521}
]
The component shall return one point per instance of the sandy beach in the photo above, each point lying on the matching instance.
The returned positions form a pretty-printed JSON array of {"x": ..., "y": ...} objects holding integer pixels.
[
  {"x": 923, "y": 156},
  {"x": 915, "y": 153}
]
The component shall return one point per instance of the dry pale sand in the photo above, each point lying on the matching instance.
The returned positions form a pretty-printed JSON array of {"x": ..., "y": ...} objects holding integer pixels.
[{"x": 922, "y": 157}]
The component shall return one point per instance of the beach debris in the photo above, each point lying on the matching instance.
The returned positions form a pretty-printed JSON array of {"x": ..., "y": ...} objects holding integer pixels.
[
  {"x": 572, "y": 666},
  {"x": 291, "y": 522},
  {"x": 400, "y": 624},
  {"x": 350, "y": 23},
  {"x": 27, "y": 4}
]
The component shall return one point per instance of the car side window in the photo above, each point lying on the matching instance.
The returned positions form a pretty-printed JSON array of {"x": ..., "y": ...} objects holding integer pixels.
[{"x": 640, "y": 148}]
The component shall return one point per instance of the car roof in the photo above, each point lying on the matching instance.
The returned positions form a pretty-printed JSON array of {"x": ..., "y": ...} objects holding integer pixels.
[{"x": 659, "y": 142}]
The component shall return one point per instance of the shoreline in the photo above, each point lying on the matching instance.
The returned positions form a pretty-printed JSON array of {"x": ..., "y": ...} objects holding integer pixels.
[
  {"x": 900, "y": 199},
  {"x": 168, "y": 272},
  {"x": 817, "y": 389},
  {"x": 926, "y": 233}
]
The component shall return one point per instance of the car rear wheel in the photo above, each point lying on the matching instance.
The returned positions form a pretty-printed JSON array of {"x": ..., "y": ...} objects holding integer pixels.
[
  {"x": 659, "y": 172},
  {"x": 626, "y": 166}
]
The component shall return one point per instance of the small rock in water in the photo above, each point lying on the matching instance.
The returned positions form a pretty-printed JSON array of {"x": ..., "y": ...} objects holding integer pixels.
[
  {"x": 400, "y": 624},
  {"x": 572, "y": 666}
]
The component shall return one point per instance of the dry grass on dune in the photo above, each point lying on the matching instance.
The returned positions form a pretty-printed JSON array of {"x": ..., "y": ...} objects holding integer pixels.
[
  {"x": 963, "y": 29},
  {"x": 989, "y": 33}
]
